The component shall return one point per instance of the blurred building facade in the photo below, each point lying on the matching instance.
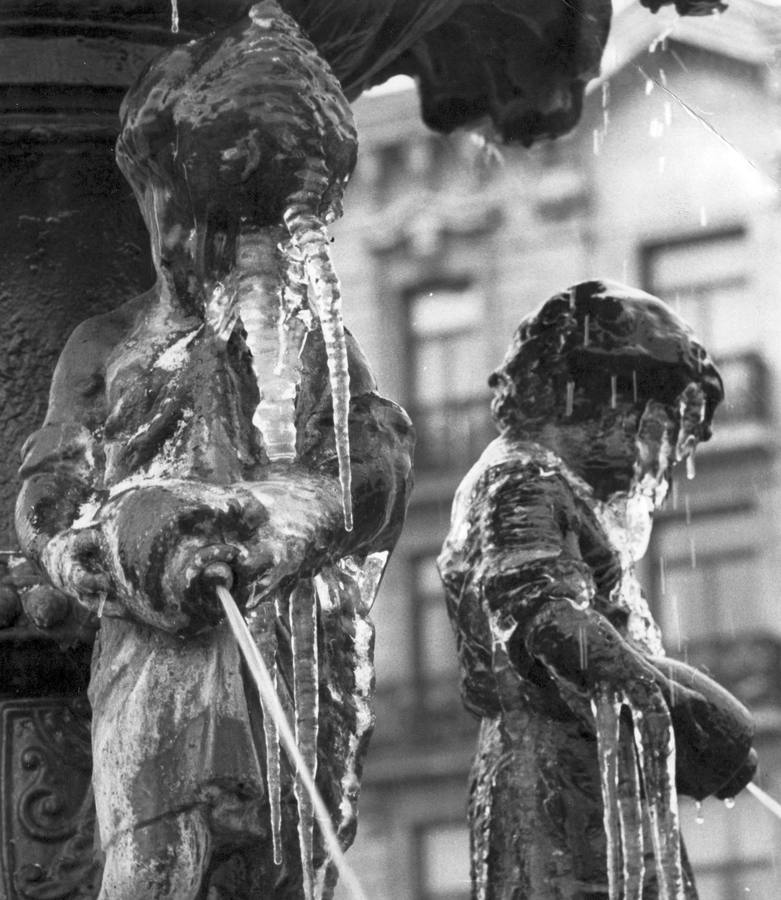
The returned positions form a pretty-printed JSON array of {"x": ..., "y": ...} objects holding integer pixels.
[{"x": 671, "y": 183}]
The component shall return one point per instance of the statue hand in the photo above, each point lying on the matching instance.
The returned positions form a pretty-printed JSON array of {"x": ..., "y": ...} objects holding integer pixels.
[{"x": 74, "y": 560}]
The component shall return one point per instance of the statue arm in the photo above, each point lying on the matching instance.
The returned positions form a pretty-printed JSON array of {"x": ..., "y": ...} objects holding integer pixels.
[
  {"x": 522, "y": 548},
  {"x": 62, "y": 461}
]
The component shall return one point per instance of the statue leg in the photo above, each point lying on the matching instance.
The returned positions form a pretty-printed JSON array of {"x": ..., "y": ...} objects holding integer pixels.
[{"x": 165, "y": 860}]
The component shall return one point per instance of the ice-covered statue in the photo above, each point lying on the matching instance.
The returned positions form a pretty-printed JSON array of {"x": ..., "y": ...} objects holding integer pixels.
[
  {"x": 586, "y": 729},
  {"x": 223, "y": 427}
]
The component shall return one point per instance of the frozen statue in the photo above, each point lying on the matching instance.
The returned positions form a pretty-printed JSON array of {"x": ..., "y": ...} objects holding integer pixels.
[
  {"x": 223, "y": 427},
  {"x": 586, "y": 730}
]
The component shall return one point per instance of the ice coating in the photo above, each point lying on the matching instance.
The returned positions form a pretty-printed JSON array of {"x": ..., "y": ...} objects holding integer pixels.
[
  {"x": 587, "y": 731},
  {"x": 274, "y": 336}
]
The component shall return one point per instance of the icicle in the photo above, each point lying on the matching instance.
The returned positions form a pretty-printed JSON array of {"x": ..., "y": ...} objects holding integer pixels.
[
  {"x": 264, "y": 631},
  {"x": 606, "y": 709},
  {"x": 273, "y": 339},
  {"x": 630, "y": 813},
  {"x": 309, "y": 234},
  {"x": 582, "y": 649},
  {"x": 657, "y": 771},
  {"x": 303, "y": 634},
  {"x": 175, "y": 16}
]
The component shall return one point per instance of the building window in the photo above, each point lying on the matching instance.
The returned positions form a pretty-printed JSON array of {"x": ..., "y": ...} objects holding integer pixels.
[
  {"x": 443, "y": 854},
  {"x": 436, "y": 666},
  {"x": 706, "y": 280},
  {"x": 447, "y": 374},
  {"x": 703, "y": 577}
]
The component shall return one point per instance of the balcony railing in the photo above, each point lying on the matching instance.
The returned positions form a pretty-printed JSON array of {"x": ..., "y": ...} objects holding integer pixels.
[{"x": 452, "y": 435}]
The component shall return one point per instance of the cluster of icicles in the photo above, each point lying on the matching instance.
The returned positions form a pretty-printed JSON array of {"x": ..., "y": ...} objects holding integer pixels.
[
  {"x": 636, "y": 746},
  {"x": 258, "y": 643}
]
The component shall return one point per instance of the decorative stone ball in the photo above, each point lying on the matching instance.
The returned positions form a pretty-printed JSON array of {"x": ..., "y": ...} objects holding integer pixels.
[
  {"x": 10, "y": 607},
  {"x": 45, "y": 606}
]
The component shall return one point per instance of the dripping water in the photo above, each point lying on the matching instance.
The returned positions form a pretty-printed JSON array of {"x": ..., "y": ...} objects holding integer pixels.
[{"x": 175, "y": 16}]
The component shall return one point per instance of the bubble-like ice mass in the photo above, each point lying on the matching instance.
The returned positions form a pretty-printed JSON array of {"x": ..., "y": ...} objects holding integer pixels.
[{"x": 588, "y": 732}]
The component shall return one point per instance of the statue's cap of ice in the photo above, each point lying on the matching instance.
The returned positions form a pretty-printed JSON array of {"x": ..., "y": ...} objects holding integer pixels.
[{"x": 601, "y": 338}]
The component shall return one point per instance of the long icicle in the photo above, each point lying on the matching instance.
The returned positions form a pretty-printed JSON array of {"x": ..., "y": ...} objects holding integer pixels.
[
  {"x": 264, "y": 630},
  {"x": 262, "y": 678},
  {"x": 303, "y": 633},
  {"x": 309, "y": 233},
  {"x": 605, "y": 707},
  {"x": 658, "y": 781},
  {"x": 630, "y": 813}
]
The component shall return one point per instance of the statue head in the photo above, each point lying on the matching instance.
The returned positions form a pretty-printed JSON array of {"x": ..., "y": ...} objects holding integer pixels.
[
  {"x": 218, "y": 135},
  {"x": 610, "y": 378}
]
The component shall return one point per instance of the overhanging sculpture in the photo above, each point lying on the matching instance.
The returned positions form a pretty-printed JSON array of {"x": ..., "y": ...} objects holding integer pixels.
[
  {"x": 196, "y": 430},
  {"x": 585, "y": 727}
]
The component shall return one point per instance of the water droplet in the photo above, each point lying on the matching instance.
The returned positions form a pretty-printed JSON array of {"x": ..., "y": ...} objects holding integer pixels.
[
  {"x": 656, "y": 128},
  {"x": 649, "y": 86},
  {"x": 175, "y": 16},
  {"x": 703, "y": 217},
  {"x": 634, "y": 385},
  {"x": 729, "y": 802},
  {"x": 700, "y": 818},
  {"x": 690, "y": 470},
  {"x": 586, "y": 327},
  {"x": 613, "y": 391}
]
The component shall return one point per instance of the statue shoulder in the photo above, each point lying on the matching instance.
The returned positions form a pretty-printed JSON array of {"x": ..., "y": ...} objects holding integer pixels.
[{"x": 79, "y": 377}]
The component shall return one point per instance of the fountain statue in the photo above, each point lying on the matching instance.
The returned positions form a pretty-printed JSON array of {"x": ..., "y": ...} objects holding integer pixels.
[
  {"x": 587, "y": 730},
  {"x": 223, "y": 428},
  {"x": 220, "y": 429}
]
